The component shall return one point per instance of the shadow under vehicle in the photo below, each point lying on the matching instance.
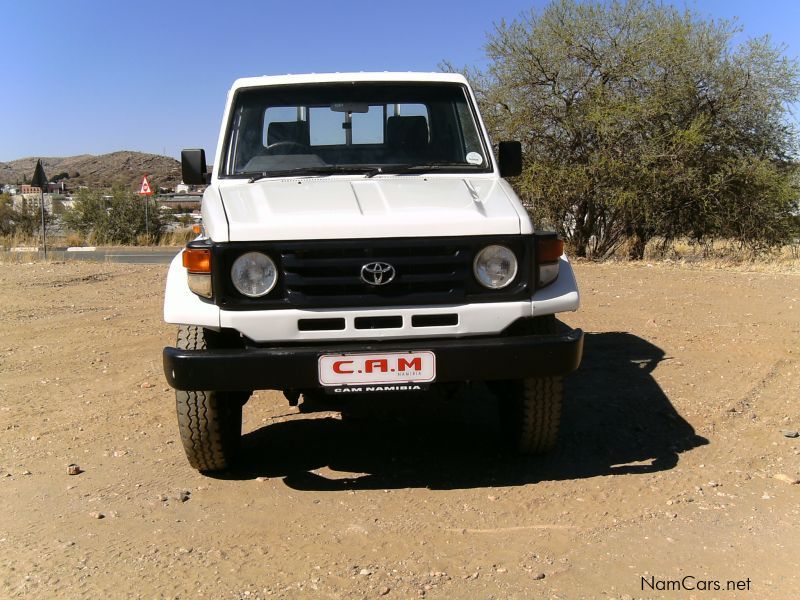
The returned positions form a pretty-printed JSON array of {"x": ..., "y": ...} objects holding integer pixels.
[{"x": 617, "y": 420}]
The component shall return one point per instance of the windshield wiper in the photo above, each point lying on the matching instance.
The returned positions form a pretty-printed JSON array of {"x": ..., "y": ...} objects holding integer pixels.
[
  {"x": 317, "y": 170},
  {"x": 414, "y": 168}
]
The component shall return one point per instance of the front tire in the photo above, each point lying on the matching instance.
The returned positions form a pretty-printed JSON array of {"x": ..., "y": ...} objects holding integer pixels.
[
  {"x": 530, "y": 409},
  {"x": 531, "y": 413},
  {"x": 209, "y": 422}
]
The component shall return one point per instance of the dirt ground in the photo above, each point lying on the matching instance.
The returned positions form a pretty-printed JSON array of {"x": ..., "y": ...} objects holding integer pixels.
[{"x": 675, "y": 429}]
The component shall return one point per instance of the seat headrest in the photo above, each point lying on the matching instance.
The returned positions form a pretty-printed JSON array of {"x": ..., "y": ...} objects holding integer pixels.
[
  {"x": 407, "y": 133},
  {"x": 288, "y": 131}
]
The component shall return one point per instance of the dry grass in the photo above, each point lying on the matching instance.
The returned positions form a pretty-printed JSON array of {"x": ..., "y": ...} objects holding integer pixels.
[
  {"x": 15, "y": 240},
  {"x": 719, "y": 255},
  {"x": 74, "y": 239},
  {"x": 179, "y": 237},
  {"x": 725, "y": 254}
]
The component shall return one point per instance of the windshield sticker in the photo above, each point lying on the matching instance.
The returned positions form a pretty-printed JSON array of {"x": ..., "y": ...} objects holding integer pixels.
[{"x": 474, "y": 158}]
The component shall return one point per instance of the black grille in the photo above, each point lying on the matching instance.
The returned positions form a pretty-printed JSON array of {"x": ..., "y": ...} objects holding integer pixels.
[
  {"x": 320, "y": 324},
  {"x": 327, "y": 273},
  {"x": 446, "y": 320}
]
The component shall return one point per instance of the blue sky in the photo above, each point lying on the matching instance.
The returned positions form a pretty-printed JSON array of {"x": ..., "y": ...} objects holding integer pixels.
[{"x": 89, "y": 77}]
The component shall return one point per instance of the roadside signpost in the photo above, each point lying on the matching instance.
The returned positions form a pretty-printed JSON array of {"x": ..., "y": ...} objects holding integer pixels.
[
  {"x": 39, "y": 180},
  {"x": 146, "y": 191}
]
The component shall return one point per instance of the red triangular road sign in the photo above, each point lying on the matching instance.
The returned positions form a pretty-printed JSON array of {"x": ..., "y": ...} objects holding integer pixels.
[{"x": 145, "y": 189}]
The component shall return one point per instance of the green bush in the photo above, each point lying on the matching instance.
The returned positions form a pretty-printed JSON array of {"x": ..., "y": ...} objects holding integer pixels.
[
  {"x": 639, "y": 120},
  {"x": 117, "y": 217}
]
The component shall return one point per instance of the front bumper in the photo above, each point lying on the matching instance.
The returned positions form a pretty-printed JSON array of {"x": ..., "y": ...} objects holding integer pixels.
[{"x": 296, "y": 366}]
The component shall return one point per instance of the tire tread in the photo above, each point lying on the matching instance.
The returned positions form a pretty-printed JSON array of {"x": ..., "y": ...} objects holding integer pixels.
[{"x": 209, "y": 423}]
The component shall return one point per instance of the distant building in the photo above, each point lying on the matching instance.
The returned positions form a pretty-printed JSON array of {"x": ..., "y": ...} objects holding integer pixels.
[
  {"x": 53, "y": 203},
  {"x": 52, "y": 188}
]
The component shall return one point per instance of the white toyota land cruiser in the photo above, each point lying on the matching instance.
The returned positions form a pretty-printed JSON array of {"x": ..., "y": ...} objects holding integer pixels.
[{"x": 359, "y": 237}]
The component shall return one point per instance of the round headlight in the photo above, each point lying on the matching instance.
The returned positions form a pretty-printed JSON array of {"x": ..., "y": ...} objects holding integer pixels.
[
  {"x": 495, "y": 267},
  {"x": 254, "y": 274}
]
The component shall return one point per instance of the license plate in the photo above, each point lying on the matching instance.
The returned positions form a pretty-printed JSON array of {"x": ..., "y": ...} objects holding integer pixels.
[{"x": 383, "y": 368}]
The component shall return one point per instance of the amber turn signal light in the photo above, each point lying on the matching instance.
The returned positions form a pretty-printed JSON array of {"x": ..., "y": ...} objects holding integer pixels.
[
  {"x": 197, "y": 260},
  {"x": 197, "y": 229},
  {"x": 549, "y": 250}
]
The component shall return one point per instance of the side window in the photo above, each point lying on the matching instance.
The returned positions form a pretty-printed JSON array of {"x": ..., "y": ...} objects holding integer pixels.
[
  {"x": 409, "y": 110},
  {"x": 368, "y": 126},
  {"x": 326, "y": 126}
]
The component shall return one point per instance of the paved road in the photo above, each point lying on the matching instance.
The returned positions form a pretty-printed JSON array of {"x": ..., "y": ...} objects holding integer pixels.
[{"x": 131, "y": 255}]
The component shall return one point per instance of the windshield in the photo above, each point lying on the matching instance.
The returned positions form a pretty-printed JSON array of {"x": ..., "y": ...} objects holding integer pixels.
[{"x": 355, "y": 127}]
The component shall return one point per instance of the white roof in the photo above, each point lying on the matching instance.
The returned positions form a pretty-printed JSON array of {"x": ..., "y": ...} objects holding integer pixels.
[{"x": 346, "y": 77}]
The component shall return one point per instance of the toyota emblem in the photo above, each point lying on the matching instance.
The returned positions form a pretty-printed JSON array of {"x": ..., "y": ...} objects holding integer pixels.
[{"x": 377, "y": 273}]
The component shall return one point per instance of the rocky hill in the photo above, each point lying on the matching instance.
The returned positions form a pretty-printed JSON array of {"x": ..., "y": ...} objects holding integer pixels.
[{"x": 124, "y": 167}]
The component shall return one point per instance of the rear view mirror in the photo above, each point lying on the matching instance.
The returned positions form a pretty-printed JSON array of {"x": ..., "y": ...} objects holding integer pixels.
[
  {"x": 350, "y": 107},
  {"x": 193, "y": 167},
  {"x": 510, "y": 159}
]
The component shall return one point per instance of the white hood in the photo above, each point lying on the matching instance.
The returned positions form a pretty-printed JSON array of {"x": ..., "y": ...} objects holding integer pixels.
[{"x": 331, "y": 208}]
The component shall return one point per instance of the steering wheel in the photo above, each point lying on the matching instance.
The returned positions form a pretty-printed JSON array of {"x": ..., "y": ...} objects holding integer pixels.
[{"x": 288, "y": 147}]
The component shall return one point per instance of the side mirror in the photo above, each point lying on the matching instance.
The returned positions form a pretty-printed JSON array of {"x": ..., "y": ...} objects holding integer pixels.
[
  {"x": 193, "y": 167},
  {"x": 510, "y": 159}
]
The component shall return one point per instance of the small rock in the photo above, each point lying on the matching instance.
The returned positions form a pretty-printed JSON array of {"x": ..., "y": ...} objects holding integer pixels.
[
  {"x": 26, "y": 473},
  {"x": 492, "y": 498},
  {"x": 501, "y": 570},
  {"x": 97, "y": 515},
  {"x": 384, "y": 590},
  {"x": 183, "y": 496},
  {"x": 163, "y": 498},
  {"x": 790, "y": 433},
  {"x": 538, "y": 576},
  {"x": 713, "y": 484},
  {"x": 146, "y": 384},
  {"x": 73, "y": 469},
  {"x": 113, "y": 514},
  {"x": 786, "y": 478},
  {"x": 184, "y": 550},
  {"x": 118, "y": 453},
  {"x": 365, "y": 572},
  {"x": 68, "y": 544},
  {"x": 262, "y": 479}
]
